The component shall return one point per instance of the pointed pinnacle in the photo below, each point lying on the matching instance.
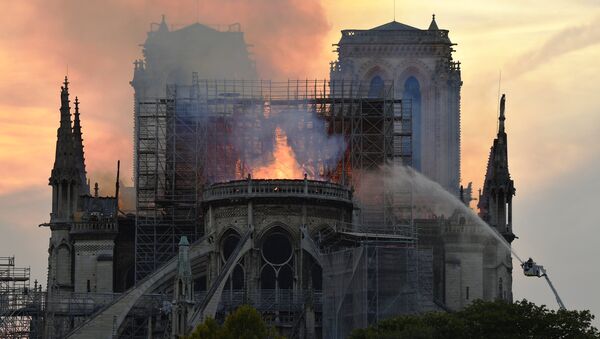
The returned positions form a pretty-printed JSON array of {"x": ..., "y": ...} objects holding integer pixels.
[{"x": 502, "y": 117}]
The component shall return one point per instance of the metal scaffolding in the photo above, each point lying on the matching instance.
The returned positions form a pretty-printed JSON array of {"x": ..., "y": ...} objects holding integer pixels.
[
  {"x": 210, "y": 132},
  {"x": 374, "y": 281},
  {"x": 20, "y": 305},
  {"x": 68, "y": 310}
]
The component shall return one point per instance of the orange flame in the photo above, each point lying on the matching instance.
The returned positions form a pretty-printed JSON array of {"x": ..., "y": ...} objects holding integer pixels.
[{"x": 284, "y": 165}]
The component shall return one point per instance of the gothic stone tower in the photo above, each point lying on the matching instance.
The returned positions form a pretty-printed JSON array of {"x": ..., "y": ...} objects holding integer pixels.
[
  {"x": 420, "y": 65},
  {"x": 83, "y": 227},
  {"x": 171, "y": 57},
  {"x": 69, "y": 183},
  {"x": 183, "y": 302},
  {"x": 495, "y": 202},
  {"x": 495, "y": 208}
]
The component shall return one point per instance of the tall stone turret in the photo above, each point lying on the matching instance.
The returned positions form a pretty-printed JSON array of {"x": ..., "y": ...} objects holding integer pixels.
[
  {"x": 495, "y": 202},
  {"x": 495, "y": 208},
  {"x": 68, "y": 177},
  {"x": 82, "y": 228},
  {"x": 69, "y": 183},
  {"x": 184, "y": 291},
  {"x": 78, "y": 150}
]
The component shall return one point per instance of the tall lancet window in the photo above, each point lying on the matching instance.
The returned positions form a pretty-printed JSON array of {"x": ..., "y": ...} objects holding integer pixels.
[
  {"x": 376, "y": 87},
  {"x": 412, "y": 95}
]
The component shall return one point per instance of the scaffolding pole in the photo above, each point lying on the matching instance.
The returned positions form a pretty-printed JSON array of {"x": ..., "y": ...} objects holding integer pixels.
[{"x": 20, "y": 305}]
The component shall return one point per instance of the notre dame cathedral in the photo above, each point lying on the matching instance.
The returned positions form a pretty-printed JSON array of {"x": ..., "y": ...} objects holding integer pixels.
[{"x": 96, "y": 250}]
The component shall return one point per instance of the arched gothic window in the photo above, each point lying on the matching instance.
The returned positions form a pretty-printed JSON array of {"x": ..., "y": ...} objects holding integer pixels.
[
  {"x": 412, "y": 97},
  {"x": 278, "y": 261},
  {"x": 236, "y": 281},
  {"x": 376, "y": 87}
]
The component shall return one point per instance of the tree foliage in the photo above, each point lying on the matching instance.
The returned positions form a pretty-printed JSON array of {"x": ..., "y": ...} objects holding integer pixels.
[
  {"x": 485, "y": 319},
  {"x": 244, "y": 323}
]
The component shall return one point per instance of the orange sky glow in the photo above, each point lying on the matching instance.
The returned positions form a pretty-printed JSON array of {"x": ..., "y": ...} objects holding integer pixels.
[{"x": 547, "y": 51}]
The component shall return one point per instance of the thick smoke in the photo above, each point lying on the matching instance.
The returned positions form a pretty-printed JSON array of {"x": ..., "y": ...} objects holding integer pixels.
[
  {"x": 314, "y": 149},
  {"x": 427, "y": 198},
  {"x": 96, "y": 41}
]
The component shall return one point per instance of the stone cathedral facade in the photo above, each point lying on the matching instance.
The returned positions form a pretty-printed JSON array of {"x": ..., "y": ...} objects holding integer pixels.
[
  {"x": 92, "y": 245},
  {"x": 83, "y": 227},
  {"x": 420, "y": 65},
  {"x": 468, "y": 263}
]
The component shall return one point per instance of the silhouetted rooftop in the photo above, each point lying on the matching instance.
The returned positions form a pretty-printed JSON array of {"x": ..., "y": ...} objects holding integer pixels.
[{"x": 393, "y": 26}]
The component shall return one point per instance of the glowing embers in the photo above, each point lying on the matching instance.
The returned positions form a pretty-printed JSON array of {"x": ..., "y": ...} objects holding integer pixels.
[
  {"x": 284, "y": 164},
  {"x": 277, "y": 269}
]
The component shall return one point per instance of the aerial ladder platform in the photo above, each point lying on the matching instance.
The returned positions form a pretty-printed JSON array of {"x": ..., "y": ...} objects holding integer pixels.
[{"x": 531, "y": 269}]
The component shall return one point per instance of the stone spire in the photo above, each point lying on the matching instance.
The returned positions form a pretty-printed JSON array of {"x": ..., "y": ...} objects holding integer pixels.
[
  {"x": 495, "y": 203},
  {"x": 64, "y": 145},
  {"x": 433, "y": 25},
  {"x": 78, "y": 149},
  {"x": 67, "y": 178},
  {"x": 183, "y": 292},
  {"x": 502, "y": 117},
  {"x": 162, "y": 27}
]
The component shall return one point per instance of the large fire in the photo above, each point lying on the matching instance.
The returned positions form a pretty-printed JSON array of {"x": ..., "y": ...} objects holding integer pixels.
[{"x": 284, "y": 164}]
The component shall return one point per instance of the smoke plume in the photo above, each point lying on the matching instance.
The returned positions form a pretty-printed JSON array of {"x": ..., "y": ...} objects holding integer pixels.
[
  {"x": 95, "y": 42},
  {"x": 303, "y": 131},
  {"x": 567, "y": 40}
]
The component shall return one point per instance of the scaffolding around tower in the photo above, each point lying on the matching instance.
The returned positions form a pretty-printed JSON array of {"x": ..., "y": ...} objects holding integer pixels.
[{"x": 209, "y": 132}]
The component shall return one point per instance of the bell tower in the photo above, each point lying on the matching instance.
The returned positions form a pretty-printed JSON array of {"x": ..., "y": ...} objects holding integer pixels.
[{"x": 419, "y": 64}]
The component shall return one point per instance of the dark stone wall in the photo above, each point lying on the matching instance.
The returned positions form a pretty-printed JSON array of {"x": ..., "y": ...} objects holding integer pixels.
[{"x": 124, "y": 256}]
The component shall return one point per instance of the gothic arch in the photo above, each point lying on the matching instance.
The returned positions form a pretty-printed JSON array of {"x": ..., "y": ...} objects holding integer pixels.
[
  {"x": 228, "y": 240},
  {"x": 374, "y": 67},
  {"x": 278, "y": 256},
  {"x": 277, "y": 235},
  {"x": 415, "y": 68},
  {"x": 292, "y": 233}
]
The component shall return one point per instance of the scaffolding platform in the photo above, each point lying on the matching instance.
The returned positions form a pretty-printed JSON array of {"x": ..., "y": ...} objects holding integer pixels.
[
  {"x": 210, "y": 131},
  {"x": 20, "y": 304}
]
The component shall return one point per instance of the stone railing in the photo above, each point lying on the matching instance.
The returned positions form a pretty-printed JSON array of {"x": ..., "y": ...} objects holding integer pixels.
[
  {"x": 95, "y": 227},
  {"x": 277, "y": 188},
  {"x": 366, "y": 35}
]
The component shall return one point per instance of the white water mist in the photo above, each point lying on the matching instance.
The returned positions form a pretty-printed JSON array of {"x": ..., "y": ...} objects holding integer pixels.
[{"x": 427, "y": 196}]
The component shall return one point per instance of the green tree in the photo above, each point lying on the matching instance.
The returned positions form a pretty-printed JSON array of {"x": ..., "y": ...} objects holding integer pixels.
[
  {"x": 484, "y": 319},
  {"x": 244, "y": 323}
]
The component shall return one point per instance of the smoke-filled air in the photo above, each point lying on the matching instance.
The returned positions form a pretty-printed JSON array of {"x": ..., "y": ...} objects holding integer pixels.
[
  {"x": 196, "y": 99},
  {"x": 291, "y": 142},
  {"x": 427, "y": 198}
]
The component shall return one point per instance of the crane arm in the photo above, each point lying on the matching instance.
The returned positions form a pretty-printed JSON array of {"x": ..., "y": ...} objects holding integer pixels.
[
  {"x": 531, "y": 269},
  {"x": 558, "y": 300}
]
